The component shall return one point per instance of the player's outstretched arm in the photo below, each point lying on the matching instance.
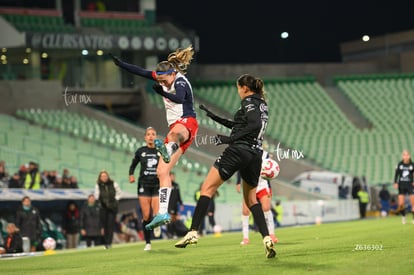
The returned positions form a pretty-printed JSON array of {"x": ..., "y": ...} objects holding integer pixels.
[
  {"x": 223, "y": 121},
  {"x": 134, "y": 69}
]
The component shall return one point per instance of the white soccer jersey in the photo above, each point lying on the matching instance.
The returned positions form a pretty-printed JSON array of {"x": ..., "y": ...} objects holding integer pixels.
[{"x": 175, "y": 110}]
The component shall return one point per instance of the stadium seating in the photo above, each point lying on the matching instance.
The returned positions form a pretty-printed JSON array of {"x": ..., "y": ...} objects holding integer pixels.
[
  {"x": 303, "y": 117},
  {"x": 39, "y": 23},
  {"x": 72, "y": 123},
  {"x": 122, "y": 26},
  {"x": 57, "y": 139},
  {"x": 55, "y": 24},
  {"x": 386, "y": 102},
  {"x": 22, "y": 142}
]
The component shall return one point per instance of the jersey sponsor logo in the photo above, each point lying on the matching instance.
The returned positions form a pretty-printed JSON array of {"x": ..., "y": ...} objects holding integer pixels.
[
  {"x": 218, "y": 159},
  {"x": 263, "y": 107},
  {"x": 405, "y": 173},
  {"x": 402, "y": 167},
  {"x": 150, "y": 173},
  {"x": 250, "y": 107},
  {"x": 182, "y": 83},
  {"x": 151, "y": 162}
]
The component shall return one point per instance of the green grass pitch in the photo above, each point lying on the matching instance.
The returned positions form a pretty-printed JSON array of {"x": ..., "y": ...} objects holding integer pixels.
[{"x": 372, "y": 246}]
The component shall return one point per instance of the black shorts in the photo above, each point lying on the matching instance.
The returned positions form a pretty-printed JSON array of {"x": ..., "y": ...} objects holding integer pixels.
[
  {"x": 405, "y": 188},
  {"x": 148, "y": 190},
  {"x": 240, "y": 157}
]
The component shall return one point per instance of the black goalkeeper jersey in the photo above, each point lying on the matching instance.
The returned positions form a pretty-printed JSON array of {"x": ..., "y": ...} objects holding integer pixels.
[{"x": 148, "y": 158}]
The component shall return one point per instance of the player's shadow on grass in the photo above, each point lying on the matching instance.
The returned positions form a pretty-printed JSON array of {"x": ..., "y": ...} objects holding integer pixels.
[
  {"x": 321, "y": 251},
  {"x": 209, "y": 269},
  {"x": 163, "y": 251},
  {"x": 304, "y": 267}
]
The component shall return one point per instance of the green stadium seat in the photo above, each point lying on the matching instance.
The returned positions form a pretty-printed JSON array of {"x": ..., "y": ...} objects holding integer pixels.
[
  {"x": 77, "y": 149},
  {"x": 39, "y": 23},
  {"x": 327, "y": 136}
]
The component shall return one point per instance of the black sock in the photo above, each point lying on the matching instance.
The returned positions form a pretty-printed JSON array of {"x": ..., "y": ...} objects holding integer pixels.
[
  {"x": 402, "y": 211},
  {"x": 147, "y": 233},
  {"x": 200, "y": 212},
  {"x": 211, "y": 220},
  {"x": 259, "y": 219}
]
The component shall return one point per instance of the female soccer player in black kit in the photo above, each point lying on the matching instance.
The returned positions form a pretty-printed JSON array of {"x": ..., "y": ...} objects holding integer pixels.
[
  {"x": 244, "y": 153},
  {"x": 404, "y": 181},
  {"x": 148, "y": 183}
]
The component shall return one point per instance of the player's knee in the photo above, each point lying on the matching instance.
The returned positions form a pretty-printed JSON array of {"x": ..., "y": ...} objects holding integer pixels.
[
  {"x": 265, "y": 208},
  {"x": 171, "y": 135},
  {"x": 177, "y": 136}
]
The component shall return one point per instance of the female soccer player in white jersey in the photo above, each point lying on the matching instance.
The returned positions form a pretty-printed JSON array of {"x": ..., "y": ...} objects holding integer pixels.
[{"x": 177, "y": 94}]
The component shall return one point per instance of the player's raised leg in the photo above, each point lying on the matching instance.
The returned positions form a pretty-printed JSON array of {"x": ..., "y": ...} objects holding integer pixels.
[{"x": 163, "y": 171}]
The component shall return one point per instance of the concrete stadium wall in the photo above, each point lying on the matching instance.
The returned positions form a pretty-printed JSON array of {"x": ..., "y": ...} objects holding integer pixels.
[
  {"x": 392, "y": 52},
  {"x": 295, "y": 212},
  {"x": 323, "y": 72},
  {"x": 30, "y": 94}
]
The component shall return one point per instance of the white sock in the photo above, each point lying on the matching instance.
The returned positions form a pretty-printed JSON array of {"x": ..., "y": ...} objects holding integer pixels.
[
  {"x": 269, "y": 221},
  {"x": 245, "y": 226},
  {"x": 164, "y": 194}
]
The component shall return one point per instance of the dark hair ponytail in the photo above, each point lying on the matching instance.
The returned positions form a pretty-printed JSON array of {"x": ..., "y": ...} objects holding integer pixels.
[{"x": 254, "y": 84}]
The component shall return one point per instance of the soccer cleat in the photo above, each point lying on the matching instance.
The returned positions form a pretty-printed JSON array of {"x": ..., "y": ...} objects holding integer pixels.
[
  {"x": 268, "y": 244},
  {"x": 158, "y": 220},
  {"x": 162, "y": 149},
  {"x": 190, "y": 238},
  {"x": 274, "y": 239},
  {"x": 245, "y": 241},
  {"x": 147, "y": 247}
]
